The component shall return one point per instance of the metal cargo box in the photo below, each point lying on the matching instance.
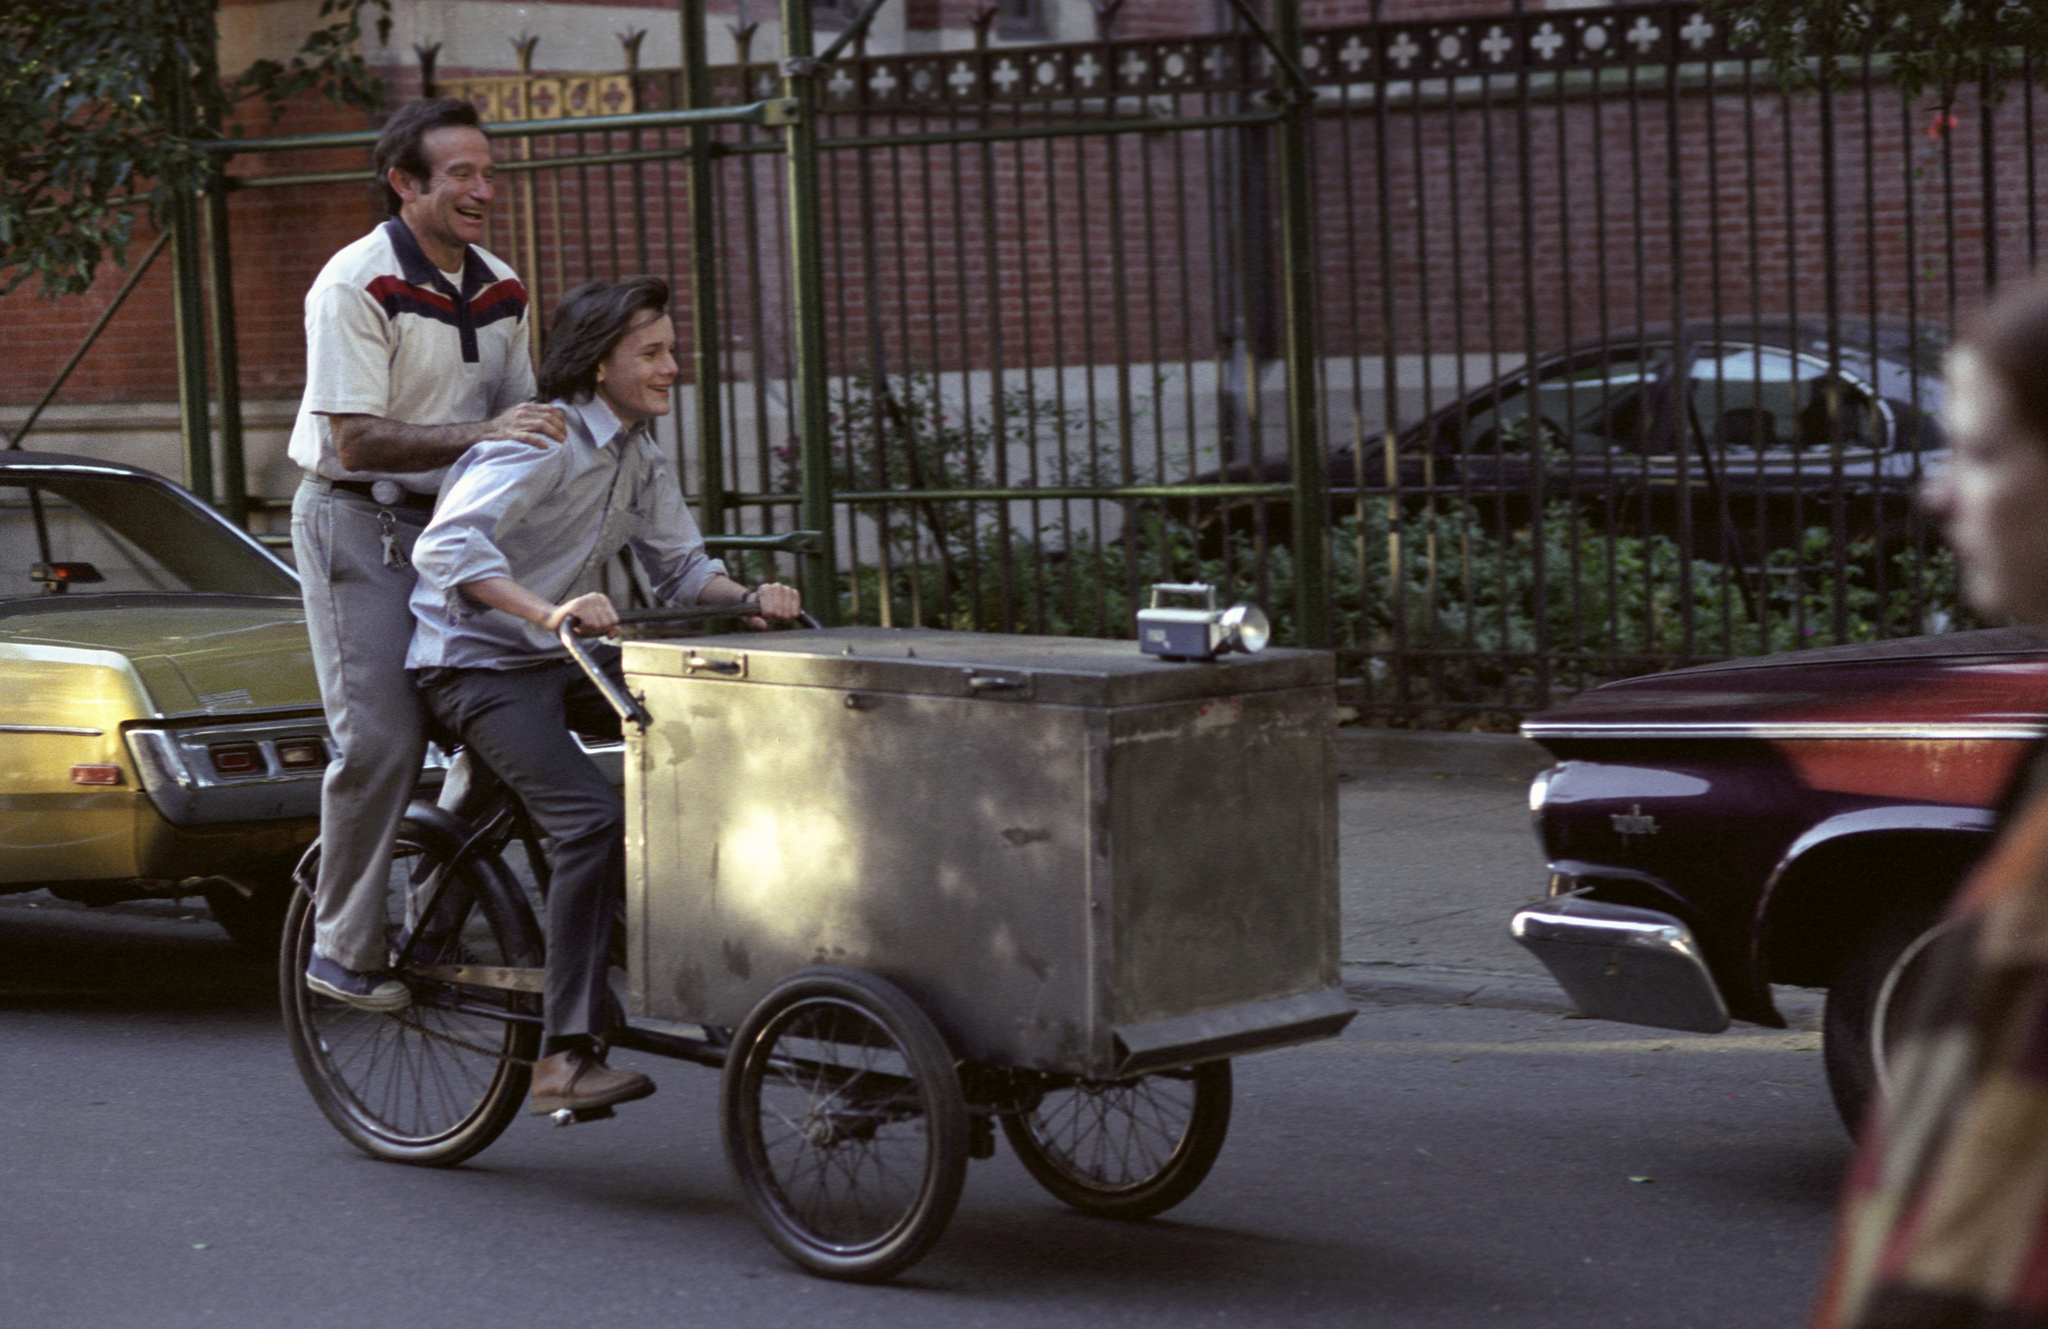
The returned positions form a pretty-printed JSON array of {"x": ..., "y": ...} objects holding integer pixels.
[{"x": 1075, "y": 857}]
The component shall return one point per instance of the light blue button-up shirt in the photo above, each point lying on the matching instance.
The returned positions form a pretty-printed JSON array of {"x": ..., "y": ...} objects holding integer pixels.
[{"x": 548, "y": 518}]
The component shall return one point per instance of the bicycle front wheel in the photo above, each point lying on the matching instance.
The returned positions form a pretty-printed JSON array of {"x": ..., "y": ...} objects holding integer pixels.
[{"x": 436, "y": 1082}]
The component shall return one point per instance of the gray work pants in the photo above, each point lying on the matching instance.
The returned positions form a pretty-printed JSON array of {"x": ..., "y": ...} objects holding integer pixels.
[
  {"x": 517, "y": 721},
  {"x": 359, "y": 617}
]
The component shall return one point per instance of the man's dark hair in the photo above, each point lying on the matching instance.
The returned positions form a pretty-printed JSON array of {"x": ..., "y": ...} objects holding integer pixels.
[
  {"x": 400, "y": 144},
  {"x": 589, "y": 322}
]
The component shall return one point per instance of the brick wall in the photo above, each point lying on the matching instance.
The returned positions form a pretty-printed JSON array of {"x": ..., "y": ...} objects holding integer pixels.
[{"x": 1491, "y": 232}]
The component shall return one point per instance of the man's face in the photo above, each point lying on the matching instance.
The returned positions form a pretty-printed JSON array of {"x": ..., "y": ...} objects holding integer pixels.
[
  {"x": 635, "y": 379},
  {"x": 446, "y": 211}
]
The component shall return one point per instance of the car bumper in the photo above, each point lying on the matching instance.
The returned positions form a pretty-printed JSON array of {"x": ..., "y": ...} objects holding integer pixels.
[
  {"x": 177, "y": 770},
  {"x": 1617, "y": 962}
]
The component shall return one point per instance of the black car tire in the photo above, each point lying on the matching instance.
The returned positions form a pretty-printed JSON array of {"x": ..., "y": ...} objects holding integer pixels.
[{"x": 1866, "y": 995}]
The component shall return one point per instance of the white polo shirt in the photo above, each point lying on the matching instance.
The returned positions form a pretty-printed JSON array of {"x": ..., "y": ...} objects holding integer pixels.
[{"x": 388, "y": 334}]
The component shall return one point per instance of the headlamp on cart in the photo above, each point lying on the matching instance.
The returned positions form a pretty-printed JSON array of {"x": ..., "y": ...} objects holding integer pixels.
[{"x": 1184, "y": 633}]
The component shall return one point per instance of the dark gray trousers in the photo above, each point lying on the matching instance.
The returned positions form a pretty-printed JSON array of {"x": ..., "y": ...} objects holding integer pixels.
[{"x": 518, "y": 721}]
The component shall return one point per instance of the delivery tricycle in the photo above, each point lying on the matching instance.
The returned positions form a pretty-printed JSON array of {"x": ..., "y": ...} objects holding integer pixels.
[{"x": 905, "y": 889}]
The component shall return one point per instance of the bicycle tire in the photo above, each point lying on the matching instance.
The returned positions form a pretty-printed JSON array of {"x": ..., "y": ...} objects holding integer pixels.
[
  {"x": 432, "y": 1084},
  {"x": 1125, "y": 1149},
  {"x": 845, "y": 1124}
]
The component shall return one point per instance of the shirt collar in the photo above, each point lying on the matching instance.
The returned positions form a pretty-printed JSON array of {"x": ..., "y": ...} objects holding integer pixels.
[
  {"x": 597, "y": 419},
  {"x": 420, "y": 270}
]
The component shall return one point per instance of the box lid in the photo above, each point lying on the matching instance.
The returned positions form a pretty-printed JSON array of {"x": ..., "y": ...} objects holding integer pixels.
[{"x": 1069, "y": 671}]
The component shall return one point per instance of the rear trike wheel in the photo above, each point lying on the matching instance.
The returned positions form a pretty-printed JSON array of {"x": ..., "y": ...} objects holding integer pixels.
[{"x": 1124, "y": 1148}]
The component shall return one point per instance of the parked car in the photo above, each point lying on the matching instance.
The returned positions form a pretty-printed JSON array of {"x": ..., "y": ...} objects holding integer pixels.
[
  {"x": 1796, "y": 819},
  {"x": 1731, "y": 438},
  {"x": 161, "y": 733}
]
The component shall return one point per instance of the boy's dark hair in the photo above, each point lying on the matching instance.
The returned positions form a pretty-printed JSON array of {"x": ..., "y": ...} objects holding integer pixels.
[
  {"x": 591, "y": 320},
  {"x": 400, "y": 143}
]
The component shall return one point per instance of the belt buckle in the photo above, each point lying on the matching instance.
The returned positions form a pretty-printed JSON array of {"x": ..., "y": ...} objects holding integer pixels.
[{"x": 387, "y": 492}]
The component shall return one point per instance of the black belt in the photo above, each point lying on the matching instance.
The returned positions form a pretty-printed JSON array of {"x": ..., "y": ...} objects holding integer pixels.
[{"x": 364, "y": 489}]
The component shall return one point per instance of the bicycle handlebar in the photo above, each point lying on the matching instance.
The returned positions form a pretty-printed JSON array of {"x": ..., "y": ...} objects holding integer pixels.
[
  {"x": 630, "y": 711},
  {"x": 703, "y": 613}
]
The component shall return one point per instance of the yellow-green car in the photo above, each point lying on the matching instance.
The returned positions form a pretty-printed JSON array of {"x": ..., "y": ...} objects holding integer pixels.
[{"x": 160, "y": 727}]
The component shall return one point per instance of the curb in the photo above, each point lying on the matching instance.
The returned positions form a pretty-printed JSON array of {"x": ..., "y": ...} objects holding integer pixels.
[
  {"x": 1801, "y": 1007},
  {"x": 1450, "y": 988},
  {"x": 1424, "y": 752},
  {"x": 1486, "y": 996}
]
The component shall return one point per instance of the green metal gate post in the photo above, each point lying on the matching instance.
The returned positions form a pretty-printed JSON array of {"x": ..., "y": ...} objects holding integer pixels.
[
  {"x": 819, "y": 581},
  {"x": 695, "y": 86},
  {"x": 234, "y": 474},
  {"x": 188, "y": 305},
  {"x": 1297, "y": 260}
]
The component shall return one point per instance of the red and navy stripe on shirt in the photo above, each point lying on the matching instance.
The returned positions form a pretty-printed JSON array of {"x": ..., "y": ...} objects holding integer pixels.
[{"x": 422, "y": 290}]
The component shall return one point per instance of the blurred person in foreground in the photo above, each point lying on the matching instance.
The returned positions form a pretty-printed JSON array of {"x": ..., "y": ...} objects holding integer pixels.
[{"x": 1945, "y": 1219}]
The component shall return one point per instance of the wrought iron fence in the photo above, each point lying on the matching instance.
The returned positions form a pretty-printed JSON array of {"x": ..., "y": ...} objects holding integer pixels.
[{"x": 1550, "y": 348}]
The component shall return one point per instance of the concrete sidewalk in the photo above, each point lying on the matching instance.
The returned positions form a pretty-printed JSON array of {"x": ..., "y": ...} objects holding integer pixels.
[{"x": 1435, "y": 852}]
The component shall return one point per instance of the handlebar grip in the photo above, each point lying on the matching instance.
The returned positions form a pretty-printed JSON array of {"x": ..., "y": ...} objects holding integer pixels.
[{"x": 630, "y": 711}]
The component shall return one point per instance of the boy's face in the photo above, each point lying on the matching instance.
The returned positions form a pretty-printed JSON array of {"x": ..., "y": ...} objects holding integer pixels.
[{"x": 635, "y": 379}]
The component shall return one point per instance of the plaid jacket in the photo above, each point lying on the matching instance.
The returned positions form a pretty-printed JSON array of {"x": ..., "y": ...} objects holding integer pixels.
[{"x": 1945, "y": 1221}]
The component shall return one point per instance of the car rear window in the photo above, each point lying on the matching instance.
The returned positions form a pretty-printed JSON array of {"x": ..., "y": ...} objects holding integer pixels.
[{"x": 112, "y": 535}]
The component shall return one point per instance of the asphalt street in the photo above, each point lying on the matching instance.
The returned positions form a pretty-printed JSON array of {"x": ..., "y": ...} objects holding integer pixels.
[{"x": 1466, "y": 1152}]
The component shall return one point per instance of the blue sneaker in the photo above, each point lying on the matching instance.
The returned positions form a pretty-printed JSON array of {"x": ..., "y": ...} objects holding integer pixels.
[{"x": 368, "y": 992}]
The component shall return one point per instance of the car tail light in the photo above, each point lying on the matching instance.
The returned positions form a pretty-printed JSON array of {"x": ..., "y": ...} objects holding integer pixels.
[
  {"x": 236, "y": 758},
  {"x": 96, "y": 773},
  {"x": 301, "y": 754}
]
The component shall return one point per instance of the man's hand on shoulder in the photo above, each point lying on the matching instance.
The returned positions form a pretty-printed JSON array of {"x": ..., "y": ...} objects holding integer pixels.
[
  {"x": 530, "y": 422},
  {"x": 373, "y": 443}
]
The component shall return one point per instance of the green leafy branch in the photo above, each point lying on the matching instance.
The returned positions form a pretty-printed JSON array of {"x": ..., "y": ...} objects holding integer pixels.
[{"x": 103, "y": 104}]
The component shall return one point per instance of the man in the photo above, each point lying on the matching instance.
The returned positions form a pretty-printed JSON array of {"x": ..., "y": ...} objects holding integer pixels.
[
  {"x": 417, "y": 348},
  {"x": 518, "y": 537}
]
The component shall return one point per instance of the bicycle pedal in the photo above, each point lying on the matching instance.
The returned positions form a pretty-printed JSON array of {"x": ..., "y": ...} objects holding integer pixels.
[{"x": 571, "y": 1116}]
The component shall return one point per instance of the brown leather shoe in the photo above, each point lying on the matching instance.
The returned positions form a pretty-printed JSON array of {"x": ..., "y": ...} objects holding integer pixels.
[{"x": 578, "y": 1081}]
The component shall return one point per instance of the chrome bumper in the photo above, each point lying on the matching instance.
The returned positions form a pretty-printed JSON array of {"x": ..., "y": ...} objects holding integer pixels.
[{"x": 1637, "y": 966}]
